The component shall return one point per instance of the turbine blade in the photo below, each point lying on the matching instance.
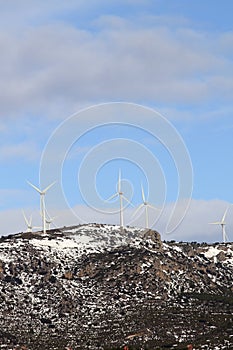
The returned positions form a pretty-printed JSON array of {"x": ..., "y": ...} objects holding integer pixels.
[
  {"x": 48, "y": 187},
  {"x": 215, "y": 223},
  {"x": 36, "y": 188},
  {"x": 224, "y": 215},
  {"x": 25, "y": 219},
  {"x": 126, "y": 199},
  {"x": 50, "y": 220},
  {"x": 113, "y": 196},
  {"x": 143, "y": 194},
  {"x": 138, "y": 209},
  {"x": 152, "y": 207}
]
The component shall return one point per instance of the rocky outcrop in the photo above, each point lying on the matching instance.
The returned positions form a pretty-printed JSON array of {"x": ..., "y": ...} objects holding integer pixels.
[
  {"x": 96, "y": 287},
  {"x": 152, "y": 240}
]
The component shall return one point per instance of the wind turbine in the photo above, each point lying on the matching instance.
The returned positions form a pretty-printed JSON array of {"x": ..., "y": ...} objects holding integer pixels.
[
  {"x": 146, "y": 205},
  {"x": 42, "y": 202},
  {"x": 28, "y": 222},
  {"x": 223, "y": 225},
  {"x": 49, "y": 220},
  {"x": 121, "y": 196}
]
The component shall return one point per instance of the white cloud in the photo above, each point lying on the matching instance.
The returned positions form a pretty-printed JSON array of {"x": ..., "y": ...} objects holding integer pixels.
[
  {"x": 24, "y": 150},
  {"x": 53, "y": 68},
  {"x": 194, "y": 227}
]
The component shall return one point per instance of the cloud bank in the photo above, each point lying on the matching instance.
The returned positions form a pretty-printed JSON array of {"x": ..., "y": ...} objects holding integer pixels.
[
  {"x": 53, "y": 68},
  {"x": 194, "y": 227}
]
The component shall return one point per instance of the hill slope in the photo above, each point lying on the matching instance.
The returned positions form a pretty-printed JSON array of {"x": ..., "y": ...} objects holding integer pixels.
[{"x": 98, "y": 287}]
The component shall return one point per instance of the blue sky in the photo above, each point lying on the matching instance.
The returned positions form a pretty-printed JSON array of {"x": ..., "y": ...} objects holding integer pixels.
[{"x": 175, "y": 57}]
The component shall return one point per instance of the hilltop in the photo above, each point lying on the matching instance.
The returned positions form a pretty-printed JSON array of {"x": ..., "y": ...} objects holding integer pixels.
[{"x": 99, "y": 287}]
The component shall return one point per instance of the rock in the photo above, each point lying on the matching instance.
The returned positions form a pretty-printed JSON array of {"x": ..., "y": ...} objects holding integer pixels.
[
  {"x": 153, "y": 239},
  {"x": 221, "y": 256},
  {"x": 68, "y": 275}
]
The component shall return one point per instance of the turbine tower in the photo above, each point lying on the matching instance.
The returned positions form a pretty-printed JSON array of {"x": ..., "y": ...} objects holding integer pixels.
[
  {"x": 28, "y": 222},
  {"x": 121, "y": 196},
  {"x": 42, "y": 202},
  {"x": 146, "y": 205},
  {"x": 222, "y": 223}
]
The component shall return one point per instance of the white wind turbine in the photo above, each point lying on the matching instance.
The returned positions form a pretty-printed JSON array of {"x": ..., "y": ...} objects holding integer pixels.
[
  {"x": 223, "y": 225},
  {"x": 146, "y": 205},
  {"x": 42, "y": 202},
  {"x": 28, "y": 222},
  {"x": 121, "y": 196},
  {"x": 49, "y": 220}
]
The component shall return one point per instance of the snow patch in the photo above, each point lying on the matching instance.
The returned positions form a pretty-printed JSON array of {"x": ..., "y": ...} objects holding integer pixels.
[{"x": 211, "y": 252}]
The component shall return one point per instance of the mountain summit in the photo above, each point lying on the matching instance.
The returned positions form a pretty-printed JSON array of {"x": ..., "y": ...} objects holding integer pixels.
[{"x": 102, "y": 287}]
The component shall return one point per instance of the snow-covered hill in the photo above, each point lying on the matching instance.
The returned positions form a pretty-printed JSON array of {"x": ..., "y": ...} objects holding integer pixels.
[{"x": 98, "y": 287}]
